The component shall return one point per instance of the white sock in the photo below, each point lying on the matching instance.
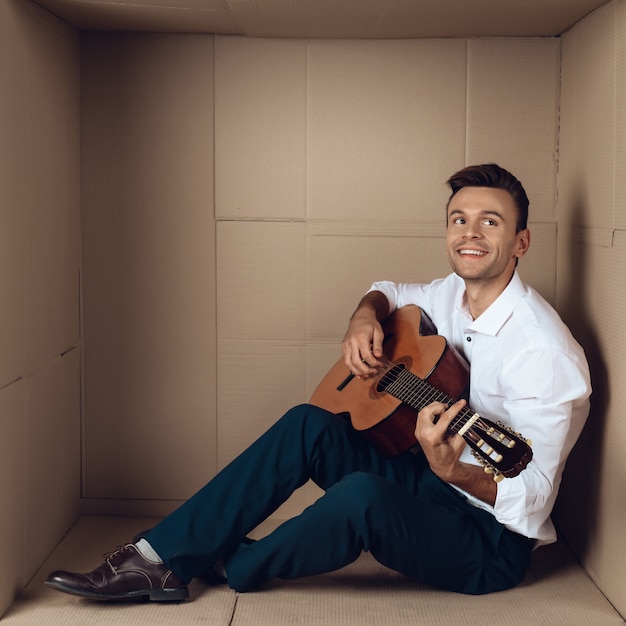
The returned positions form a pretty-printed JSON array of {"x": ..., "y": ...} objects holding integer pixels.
[{"x": 147, "y": 551}]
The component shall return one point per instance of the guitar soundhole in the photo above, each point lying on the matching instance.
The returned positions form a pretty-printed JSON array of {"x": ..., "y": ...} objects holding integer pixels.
[{"x": 390, "y": 377}]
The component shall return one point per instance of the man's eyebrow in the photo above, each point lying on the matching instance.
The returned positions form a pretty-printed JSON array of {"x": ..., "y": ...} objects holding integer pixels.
[{"x": 484, "y": 213}]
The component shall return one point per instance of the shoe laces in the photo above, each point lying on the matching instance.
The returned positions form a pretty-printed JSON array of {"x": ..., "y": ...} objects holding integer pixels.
[{"x": 119, "y": 548}]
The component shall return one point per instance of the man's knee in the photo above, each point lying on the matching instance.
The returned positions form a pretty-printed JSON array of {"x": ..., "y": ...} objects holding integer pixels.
[{"x": 312, "y": 418}]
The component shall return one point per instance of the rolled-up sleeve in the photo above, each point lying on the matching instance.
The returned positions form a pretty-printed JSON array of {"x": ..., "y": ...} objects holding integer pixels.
[
  {"x": 401, "y": 294},
  {"x": 389, "y": 290}
]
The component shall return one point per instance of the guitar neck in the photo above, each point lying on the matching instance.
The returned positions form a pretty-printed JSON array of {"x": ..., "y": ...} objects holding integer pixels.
[{"x": 417, "y": 393}]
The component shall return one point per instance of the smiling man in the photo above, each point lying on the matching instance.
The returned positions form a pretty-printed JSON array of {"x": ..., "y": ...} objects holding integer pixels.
[
  {"x": 434, "y": 516},
  {"x": 484, "y": 241}
]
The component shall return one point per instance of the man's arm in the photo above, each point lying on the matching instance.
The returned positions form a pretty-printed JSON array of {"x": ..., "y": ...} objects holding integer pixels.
[{"x": 362, "y": 345}]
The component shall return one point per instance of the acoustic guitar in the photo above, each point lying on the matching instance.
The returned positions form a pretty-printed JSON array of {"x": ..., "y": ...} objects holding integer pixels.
[{"x": 420, "y": 367}]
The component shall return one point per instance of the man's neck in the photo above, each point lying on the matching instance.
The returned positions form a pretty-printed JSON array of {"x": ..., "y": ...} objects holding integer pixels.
[{"x": 480, "y": 294}]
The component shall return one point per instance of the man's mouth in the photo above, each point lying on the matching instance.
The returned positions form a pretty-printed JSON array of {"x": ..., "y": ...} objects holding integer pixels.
[{"x": 466, "y": 252}]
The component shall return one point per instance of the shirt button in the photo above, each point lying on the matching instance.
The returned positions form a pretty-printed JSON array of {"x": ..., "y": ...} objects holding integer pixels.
[{"x": 468, "y": 338}]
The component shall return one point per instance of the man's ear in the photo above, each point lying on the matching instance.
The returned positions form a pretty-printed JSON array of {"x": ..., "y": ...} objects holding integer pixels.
[{"x": 523, "y": 243}]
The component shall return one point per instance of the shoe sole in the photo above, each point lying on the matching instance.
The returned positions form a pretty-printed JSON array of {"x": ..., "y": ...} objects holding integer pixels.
[{"x": 153, "y": 595}]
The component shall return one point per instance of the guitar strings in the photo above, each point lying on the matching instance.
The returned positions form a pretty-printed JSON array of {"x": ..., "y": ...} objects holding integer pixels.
[{"x": 417, "y": 393}]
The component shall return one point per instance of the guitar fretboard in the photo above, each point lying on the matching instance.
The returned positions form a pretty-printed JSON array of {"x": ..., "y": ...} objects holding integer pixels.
[{"x": 417, "y": 393}]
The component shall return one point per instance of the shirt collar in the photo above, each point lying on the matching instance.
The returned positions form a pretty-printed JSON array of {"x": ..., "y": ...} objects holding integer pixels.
[{"x": 491, "y": 321}]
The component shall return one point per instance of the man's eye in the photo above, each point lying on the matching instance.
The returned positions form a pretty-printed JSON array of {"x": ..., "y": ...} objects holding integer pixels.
[
  {"x": 490, "y": 222},
  {"x": 459, "y": 220}
]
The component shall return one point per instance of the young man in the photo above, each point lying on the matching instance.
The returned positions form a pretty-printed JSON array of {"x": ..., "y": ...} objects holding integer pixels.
[{"x": 434, "y": 516}]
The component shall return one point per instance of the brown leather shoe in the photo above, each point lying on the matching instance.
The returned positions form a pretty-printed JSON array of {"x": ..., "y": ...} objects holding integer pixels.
[{"x": 125, "y": 575}]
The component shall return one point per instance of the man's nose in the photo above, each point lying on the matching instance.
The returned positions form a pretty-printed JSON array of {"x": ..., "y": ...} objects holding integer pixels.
[{"x": 471, "y": 231}]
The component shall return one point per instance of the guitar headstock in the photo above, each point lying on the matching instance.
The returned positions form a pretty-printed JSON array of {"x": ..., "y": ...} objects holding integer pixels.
[{"x": 498, "y": 448}]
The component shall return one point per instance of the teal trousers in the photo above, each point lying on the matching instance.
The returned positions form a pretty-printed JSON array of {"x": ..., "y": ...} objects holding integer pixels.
[{"x": 395, "y": 508}]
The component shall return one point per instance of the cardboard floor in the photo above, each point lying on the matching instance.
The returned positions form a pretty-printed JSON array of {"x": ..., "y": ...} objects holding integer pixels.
[{"x": 556, "y": 591}]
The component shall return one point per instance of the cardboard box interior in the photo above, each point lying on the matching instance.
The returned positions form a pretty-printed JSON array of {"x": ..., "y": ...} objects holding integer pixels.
[{"x": 237, "y": 196}]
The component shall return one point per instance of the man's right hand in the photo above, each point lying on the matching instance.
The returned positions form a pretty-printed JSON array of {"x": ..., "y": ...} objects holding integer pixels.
[{"x": 362, "y": 345}]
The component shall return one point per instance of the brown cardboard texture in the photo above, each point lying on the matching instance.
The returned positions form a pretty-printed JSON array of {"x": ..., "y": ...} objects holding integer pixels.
[{"x": 218, "y": 205}]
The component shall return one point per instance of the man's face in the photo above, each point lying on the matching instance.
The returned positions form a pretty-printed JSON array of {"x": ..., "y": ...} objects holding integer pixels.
[{"x": 481, "y": 240}]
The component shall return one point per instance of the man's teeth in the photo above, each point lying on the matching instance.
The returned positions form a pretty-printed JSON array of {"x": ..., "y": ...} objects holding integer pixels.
[{"x": 474, "y": 252}]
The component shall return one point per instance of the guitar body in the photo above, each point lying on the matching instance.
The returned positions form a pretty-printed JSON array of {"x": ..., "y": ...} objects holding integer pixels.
[{"x": 388, "y": 423}]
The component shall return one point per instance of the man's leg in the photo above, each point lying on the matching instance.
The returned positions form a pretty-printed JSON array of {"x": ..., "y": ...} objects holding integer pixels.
[
  {"x": 433, "y": 536},
  {"x": 305, "y": 443}
]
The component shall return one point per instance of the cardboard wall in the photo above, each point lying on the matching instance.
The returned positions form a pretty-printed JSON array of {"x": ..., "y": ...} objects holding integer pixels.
[
  {"x": 591, "y": 280},
  {"x": 148, "y": 267},
  {"x": 330, "y": 166},
  {"x": 238, "y": 196},
  {"x": 39, "y": 287}
]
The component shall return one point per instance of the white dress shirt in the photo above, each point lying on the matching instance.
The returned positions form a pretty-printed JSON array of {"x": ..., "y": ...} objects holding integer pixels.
[{"x": 528, "y": 372}]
